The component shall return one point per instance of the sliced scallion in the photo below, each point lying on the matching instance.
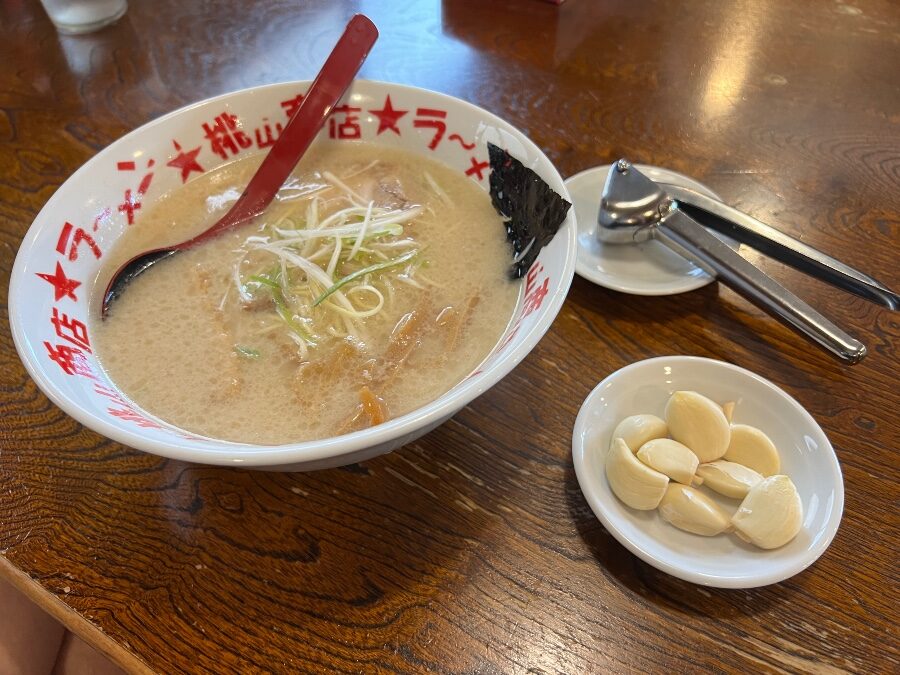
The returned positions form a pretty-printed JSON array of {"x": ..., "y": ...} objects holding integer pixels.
[
  {"x": 246, "y": 352},
  {"x": 287, "y": 316},
  {"x": 377, "y": 267},
  {"x": 264, "y": 281}
]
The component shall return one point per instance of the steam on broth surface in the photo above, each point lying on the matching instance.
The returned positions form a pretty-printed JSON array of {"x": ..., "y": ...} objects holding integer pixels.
[{"x": 278, "y": 332}]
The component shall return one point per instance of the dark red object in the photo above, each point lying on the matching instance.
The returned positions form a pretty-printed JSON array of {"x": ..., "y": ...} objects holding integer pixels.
[{"x": 326, "y": 90}]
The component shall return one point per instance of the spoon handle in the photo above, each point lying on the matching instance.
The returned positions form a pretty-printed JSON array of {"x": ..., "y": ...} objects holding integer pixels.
[
  {"x": 684, "y": 235},
  {"x": 326, "y": 90}
]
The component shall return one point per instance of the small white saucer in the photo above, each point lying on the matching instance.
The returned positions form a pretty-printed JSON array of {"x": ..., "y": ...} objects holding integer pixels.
[
  {"x": 722, "y": 561},
  {"x": 648, "y": 268}
]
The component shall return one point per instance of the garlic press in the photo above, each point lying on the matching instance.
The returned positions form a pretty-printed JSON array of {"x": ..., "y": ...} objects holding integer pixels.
[{"x": 634, "y": 208}]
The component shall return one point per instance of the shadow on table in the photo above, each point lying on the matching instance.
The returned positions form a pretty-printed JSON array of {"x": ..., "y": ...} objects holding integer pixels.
[
  {"x": 353, "y": 545},
  {"x": 732, "y": 331}
]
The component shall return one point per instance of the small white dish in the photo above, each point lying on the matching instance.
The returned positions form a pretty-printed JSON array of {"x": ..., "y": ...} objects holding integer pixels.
[
  {"x": 648, "y": 268},
  {"x": 723, "y": 561}
]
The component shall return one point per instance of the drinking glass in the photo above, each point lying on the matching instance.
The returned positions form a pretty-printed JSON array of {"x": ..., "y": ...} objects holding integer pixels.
[{"x": 83, "y": 16}]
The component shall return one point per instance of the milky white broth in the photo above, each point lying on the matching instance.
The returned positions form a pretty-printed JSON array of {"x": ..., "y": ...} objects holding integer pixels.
[{"x": 183, "y": 345}]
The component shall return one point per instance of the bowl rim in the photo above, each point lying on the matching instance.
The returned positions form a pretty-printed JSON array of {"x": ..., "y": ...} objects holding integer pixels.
[
  {"x": 768, "y": 576},
  {"x": 249, "y": 454}
]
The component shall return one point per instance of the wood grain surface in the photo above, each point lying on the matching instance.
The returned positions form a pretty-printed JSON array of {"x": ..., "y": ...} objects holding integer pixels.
[{"x": 472, "y": 550}]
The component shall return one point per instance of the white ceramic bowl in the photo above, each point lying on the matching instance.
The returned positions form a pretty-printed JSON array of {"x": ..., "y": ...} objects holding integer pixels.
[
  {"x": 723, "y": 561},
  {"x": 92, "y": 206}
]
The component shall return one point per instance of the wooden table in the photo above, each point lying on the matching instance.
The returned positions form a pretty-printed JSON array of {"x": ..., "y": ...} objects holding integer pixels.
[{"x": 472, "y": 549}]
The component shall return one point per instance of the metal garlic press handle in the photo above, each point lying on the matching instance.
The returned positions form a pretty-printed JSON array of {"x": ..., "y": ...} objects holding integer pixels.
[
  {"x": 686, "y": 236},
  {"x": 782, "y": 247}
]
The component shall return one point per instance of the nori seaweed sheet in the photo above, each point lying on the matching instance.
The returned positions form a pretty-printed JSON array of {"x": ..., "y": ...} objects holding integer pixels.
[{"x": 532, "y": 210}]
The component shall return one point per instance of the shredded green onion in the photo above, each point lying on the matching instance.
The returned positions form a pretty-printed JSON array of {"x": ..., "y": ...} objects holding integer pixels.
[
  {"x": 246, "y": 352},
  {"x": 287, "y": 316},
  {"x": 326, "y": 272},
  {"x": 265, "y": 281},
  {"x": 377, "y": 267}
]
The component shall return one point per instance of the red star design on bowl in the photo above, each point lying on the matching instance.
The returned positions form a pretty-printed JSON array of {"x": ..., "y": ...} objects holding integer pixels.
[
  {"x": 388, "y": 117},
  {"x": 186, "y": 161},
  {"x": 62, "y": 285}
]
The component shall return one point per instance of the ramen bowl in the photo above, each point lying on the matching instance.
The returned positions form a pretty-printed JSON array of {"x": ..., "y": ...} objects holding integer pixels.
[{"x": 61, "y": 257}]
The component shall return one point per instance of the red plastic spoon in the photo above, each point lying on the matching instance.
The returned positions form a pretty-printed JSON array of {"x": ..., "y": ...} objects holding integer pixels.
[{"x": 329, "y": 86}]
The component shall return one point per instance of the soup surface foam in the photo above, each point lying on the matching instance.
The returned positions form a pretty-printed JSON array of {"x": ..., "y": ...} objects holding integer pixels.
[{"x": 233, "y": 340}]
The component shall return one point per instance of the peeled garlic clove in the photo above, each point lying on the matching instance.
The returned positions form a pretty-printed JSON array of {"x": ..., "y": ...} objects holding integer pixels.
[
  {"x": 752, "y": 448},
  {"x": 638, "y": 429},
  {"x": 728, "y": 478},
  {"x": 636, "y": 484},
  {"x": 698, "y": 423},
  {"x": 691, "y": 510},
  {"x": 671, "y": 458},
  {"x": 771, "y": 513},
  {"x": 728, "y": 410}
]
